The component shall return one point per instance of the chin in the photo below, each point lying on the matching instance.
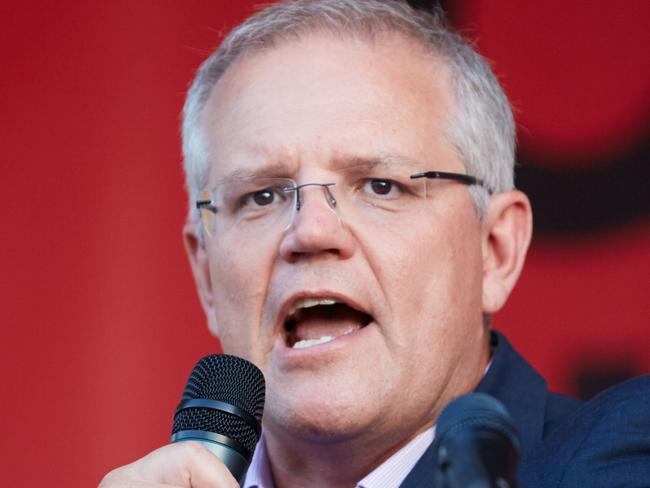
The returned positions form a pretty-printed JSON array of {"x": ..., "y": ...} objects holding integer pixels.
[{"x": 316, "y": 417}]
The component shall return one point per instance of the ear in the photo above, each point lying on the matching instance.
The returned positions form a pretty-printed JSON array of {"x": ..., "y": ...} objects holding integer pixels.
[
  {"x": 198, "y": 257},
  {"x": 506, "y": 236}
]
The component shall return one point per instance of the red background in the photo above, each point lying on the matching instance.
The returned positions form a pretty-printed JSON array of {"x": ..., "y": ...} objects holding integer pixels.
[{"x": 100, "y": 321}]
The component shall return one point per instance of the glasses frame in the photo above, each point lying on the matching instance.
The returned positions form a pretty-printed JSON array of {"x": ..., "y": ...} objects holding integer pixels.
[
  {"x": 460, "y": 177},
  {"x": 463, "y": 178}
]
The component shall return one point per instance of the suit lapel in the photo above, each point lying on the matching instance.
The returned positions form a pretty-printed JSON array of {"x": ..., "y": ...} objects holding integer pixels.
[
  {"x": 523, "y": 392},
  {"x": 514, "y": 383}
]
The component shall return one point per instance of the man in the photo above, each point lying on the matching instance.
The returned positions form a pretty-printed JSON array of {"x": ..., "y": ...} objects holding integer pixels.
[{"x": 353, "y": 164}]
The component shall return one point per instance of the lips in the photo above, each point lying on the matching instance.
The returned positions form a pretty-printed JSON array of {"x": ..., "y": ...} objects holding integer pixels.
[{"x": 316, "y": 320}]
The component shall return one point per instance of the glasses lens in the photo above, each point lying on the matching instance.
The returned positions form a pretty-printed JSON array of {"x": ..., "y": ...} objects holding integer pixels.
[
  {"x": 250, "y": 207},
  {"x": 379, "y": 194}
]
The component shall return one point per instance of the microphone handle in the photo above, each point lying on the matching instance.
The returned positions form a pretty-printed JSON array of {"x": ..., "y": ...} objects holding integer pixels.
[
  {"x": 470, "y": 460},
  {"x": 236, "y": 463}
]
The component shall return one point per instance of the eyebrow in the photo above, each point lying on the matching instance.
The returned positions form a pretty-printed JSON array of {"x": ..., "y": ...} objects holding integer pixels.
[
  {"x": 272, "y": 170},
  {"x": 376, "y": 162},
  {"x": 282, "y": 169}
]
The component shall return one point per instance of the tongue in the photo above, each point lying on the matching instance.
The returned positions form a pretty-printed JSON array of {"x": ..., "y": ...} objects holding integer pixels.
[{"x": 321, "y": 321}]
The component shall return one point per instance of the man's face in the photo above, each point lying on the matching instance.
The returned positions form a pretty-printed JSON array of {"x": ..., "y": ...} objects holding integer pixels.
[{"x": 407, "y": 331}]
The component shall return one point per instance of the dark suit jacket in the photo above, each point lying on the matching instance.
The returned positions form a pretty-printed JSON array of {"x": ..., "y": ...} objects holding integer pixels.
[{"x": 604, "y": 442}]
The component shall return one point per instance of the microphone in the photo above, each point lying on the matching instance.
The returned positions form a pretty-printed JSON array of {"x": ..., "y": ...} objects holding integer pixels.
[
  {"x": 221, "y": 407},
  {"x": 476, "y": 444}
]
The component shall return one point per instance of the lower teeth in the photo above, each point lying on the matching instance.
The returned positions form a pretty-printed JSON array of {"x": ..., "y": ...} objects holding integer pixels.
[
  {"x": 321, "y": 340},
  {"x": 312, "y": 342}
]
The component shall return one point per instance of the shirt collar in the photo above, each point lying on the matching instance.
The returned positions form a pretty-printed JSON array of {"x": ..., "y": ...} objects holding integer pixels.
[
  {"x": 259, "y": 471},
  {"x": 392, "y": 472}
]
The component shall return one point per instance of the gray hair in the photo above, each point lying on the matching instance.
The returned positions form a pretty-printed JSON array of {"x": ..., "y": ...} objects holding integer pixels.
[{"x": 481, "y": 126}]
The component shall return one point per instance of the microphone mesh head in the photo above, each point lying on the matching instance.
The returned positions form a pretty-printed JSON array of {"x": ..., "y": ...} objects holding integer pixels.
[
  {"x": 228, "y": 379},
  {"x": 476, "y": 410}
]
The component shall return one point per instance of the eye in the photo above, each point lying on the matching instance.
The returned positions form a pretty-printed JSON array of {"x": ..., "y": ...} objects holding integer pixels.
[
  {"x": 263, "y": 197},
  {"x": 262, "y": 200},
  {"x": 382, "y": 188}
]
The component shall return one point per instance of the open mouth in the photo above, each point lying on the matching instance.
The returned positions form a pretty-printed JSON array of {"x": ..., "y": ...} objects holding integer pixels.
[{"x": 315, "y": 321}]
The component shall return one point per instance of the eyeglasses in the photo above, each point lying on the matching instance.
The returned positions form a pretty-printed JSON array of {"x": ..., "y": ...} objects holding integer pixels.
[{"x": 257, "y": 207}]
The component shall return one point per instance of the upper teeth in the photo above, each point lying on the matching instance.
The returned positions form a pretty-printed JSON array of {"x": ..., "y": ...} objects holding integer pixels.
[{"x": 310, "y": 302}]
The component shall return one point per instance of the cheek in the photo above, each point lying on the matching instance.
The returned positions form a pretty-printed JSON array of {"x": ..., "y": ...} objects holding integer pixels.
[
  {"x": 239, "y": 284},
  {"x": 432, "y": 279}
]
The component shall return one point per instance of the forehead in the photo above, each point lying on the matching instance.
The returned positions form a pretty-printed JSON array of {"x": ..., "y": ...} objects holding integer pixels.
[{"x": 323, "y": 98}]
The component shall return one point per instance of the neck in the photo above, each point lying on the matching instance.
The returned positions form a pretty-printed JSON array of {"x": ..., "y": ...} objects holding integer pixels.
[{"x": 305, "y": 463}]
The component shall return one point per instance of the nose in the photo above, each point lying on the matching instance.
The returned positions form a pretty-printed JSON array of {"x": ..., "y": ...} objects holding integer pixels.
[{"x": 316, "y": 228}]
